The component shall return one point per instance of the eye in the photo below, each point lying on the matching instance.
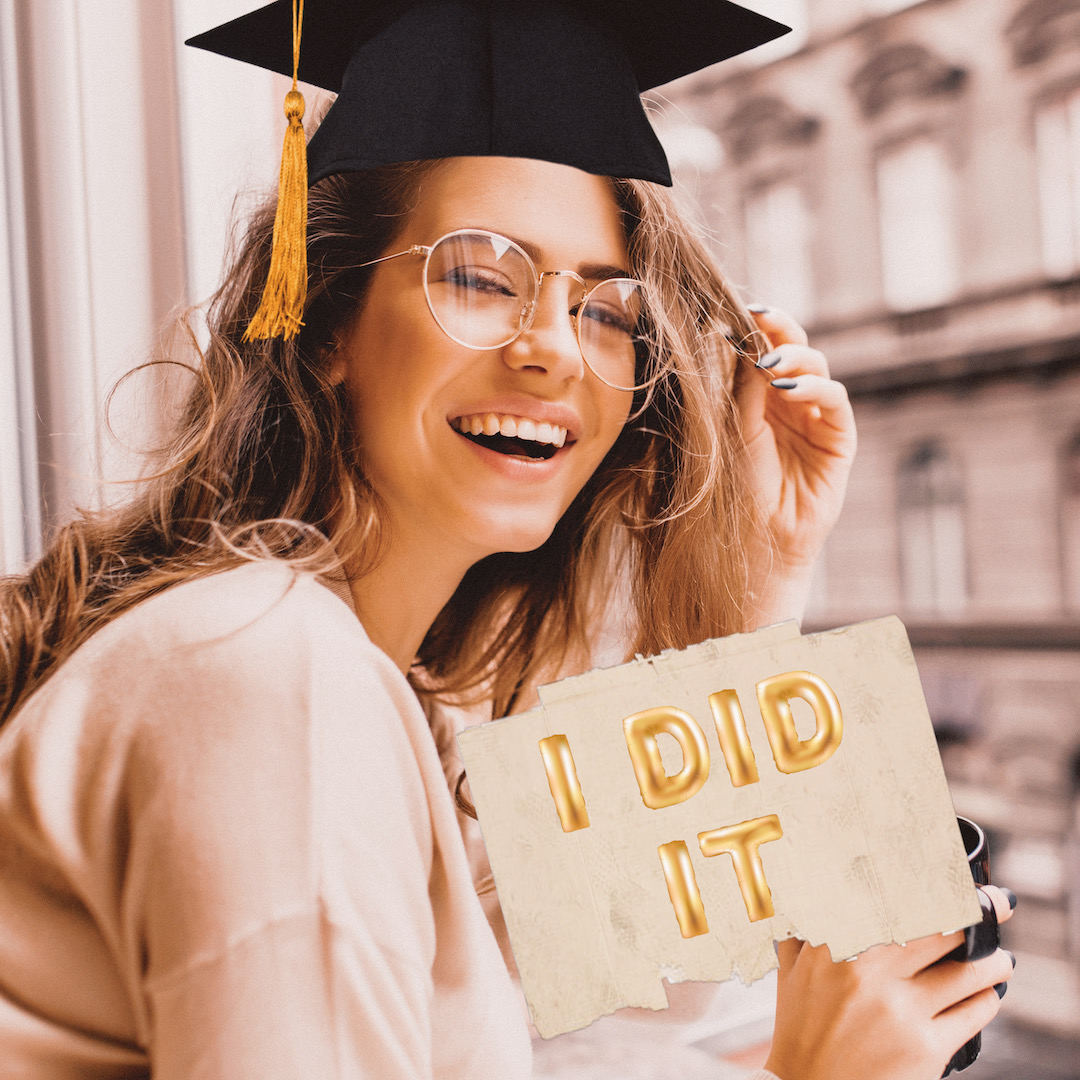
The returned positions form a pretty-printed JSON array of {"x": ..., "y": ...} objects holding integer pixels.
[
  {"x": 481, "y": 279},
  {"x": 609, "y": 316}
]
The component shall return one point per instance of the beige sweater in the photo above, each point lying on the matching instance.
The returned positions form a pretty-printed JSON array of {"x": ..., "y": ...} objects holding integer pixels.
[{"x": 228, "y": 851}]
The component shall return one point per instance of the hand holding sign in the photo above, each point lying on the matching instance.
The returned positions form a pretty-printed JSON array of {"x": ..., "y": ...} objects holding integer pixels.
[
  {"x": 845, "y": 838},
  {"x": 896, "y": 1014}
]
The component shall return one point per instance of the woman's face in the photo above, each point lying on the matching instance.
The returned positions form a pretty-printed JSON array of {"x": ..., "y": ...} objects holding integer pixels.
[{"x": 418, "y": 396}]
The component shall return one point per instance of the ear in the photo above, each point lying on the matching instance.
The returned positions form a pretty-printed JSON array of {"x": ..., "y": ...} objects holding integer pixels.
[
  {"x": 336, "y": 367},
  {"x": 337, "y": 364}
]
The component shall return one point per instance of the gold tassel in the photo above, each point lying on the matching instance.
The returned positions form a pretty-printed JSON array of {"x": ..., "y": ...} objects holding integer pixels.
[{"x": 281, "y": 309}]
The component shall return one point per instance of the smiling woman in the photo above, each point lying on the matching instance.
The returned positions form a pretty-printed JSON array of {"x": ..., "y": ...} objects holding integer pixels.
[
  {"x": 492, "y": 380},
  {"x": 452, "y": 499}
]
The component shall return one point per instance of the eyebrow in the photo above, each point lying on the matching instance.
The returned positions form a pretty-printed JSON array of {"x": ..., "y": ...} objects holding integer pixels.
[{"x": 589, "y": 271}]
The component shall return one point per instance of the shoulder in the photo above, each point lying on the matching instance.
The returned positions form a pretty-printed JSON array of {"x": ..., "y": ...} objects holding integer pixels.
[
  {"x": 259, "y": 599},
  {"x": 251, "y": 697},
  {"x": 261, "y": 610},
  {"x": 226, "y": 655}
]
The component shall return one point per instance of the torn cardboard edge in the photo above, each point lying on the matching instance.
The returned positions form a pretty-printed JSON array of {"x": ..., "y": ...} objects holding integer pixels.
[{"x": 869, "y": 851}]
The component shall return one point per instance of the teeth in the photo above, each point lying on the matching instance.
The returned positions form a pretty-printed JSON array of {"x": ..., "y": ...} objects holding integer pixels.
[{"x": 510, "y": 427}]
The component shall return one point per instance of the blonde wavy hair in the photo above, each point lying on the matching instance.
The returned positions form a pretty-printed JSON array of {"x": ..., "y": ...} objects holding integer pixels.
[{"x": 263, "y": 464}]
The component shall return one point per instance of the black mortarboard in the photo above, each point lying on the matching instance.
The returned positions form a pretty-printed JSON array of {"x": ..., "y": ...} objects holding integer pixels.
[
  {"x": 558, "y": 80},
  {"x": 513, "y": 78}
]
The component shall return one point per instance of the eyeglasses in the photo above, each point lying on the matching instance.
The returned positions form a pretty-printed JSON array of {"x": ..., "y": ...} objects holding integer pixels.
[{"x": 483, "y": 289}]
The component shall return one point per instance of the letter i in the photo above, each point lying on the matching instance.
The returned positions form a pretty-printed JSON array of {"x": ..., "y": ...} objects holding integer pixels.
[
  {"x": 734, "y": 742},
  {"x": 563, "y": 782},
  {"x": 682, "y": 889}
]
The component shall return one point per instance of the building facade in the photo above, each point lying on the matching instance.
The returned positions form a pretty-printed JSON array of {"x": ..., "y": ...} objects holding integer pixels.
[{"x": 907, "y": 183}]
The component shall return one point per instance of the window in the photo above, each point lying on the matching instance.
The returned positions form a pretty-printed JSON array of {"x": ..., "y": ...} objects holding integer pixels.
[
  {"x": 933, "y": 552},
  {"x": 19, "y": 507},
  {"x": 1070, "y": 522},
  {"x": 778, "y": 249},
  {"x": 1057, "y": 145},
  {"x": 916, "y": 200}
]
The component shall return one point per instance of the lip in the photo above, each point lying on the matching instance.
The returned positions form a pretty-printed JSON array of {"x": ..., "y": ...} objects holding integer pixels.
[
  {"x": 544, "y": 412},
  {"x": 516, "y": 468}
]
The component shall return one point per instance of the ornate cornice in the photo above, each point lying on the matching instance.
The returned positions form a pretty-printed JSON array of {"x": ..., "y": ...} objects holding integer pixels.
[
  {"x": 1043, "y": 27},
  {"x": 899, "y": 72},
  {"x": 763, "y": 121}
]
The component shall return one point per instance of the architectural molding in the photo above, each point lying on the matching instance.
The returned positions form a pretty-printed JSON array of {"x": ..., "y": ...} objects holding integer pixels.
[
  {"x": 1046, "y": 636},
  {"x": 1041, "y": 28},
  {"x": 998, "y": 635},
  {"x": 1041, "y": 360},
  {"x": 906, "y": 71},
  {"x": 766, "y": 120}
]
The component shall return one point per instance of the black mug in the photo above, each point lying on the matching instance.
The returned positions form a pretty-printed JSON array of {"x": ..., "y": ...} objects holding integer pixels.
[{"x": 980, "y": 940}]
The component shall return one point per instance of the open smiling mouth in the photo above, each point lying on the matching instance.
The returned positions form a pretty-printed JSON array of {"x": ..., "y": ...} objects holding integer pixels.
[
  {"x": 537, "y": 442},
  {"x": 502, "y": 444}
]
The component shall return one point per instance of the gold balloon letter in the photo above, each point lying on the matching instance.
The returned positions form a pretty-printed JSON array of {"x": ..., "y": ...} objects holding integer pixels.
[
  {"x": 791, "y": 754},
  {"x": 731, "y": 727},
  {"x": 743, "y": 841},
  {"x": 657, "y": 788},
  {"x": 563, "y": 781},
  {"x": 682, "y": 888}
]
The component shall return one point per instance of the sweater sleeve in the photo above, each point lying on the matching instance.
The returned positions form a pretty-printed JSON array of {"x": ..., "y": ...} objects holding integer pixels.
[{"x": 276, "y": 885}]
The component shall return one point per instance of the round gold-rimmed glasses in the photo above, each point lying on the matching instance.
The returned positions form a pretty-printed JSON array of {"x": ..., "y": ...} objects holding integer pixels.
[{"x": 483, "y": 290}]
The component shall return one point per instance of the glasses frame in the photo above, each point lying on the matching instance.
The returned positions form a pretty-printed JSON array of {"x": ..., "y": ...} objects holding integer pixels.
[{"x": 528, "y": 314}]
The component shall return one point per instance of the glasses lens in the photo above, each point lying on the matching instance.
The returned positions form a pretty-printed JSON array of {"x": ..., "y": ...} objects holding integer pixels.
[
  {"x": 609, "y": 331},
  {"x": 480, "y": 287}
]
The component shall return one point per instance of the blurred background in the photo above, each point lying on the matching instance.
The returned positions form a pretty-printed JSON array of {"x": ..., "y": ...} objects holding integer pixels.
[
  {"x": 902, "y": 175},
  {"x": 905, "y": 178}
]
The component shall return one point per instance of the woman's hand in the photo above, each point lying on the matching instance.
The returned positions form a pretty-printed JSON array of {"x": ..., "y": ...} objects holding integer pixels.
[
  {"x": 800, "y": 436},
  {"x": 894, "y": 1013}
]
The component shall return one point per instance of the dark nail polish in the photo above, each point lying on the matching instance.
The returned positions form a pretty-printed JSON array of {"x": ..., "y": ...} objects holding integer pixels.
[
  {"x": 1010, "y": 896},
  {"x": 1001, "y": 988},
  {"x": 1010, "y": 956},
  {"x": 770, "y": 360},
  {"x": 758, "y": 309},
  {"x": 784, "y": 384}
]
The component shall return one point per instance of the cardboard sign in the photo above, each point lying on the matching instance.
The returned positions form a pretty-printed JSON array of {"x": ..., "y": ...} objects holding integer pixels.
[{"x": 673, "y": 817}]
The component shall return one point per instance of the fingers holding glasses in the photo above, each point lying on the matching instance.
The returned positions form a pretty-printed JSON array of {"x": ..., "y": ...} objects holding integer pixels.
[
  {"x": 779, "y": 352},
  {"x": 782, "y": 345},
  {"x": 777, "y": 327}
]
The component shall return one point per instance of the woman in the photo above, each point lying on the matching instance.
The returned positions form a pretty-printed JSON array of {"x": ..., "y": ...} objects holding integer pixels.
[{"x": 229, "y": 847}]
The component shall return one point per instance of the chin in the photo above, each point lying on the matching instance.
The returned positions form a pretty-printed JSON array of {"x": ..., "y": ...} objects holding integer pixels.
[{"x": 515, "y": 536}]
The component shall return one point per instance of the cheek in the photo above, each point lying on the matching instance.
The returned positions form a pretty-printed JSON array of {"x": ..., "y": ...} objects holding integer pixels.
[
  {"x": 614, "y": 413},
  {"x": 393, "y": 357}
]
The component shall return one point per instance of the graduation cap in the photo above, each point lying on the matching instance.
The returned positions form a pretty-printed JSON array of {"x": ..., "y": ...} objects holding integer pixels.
[{"x": 558, "y": 80}]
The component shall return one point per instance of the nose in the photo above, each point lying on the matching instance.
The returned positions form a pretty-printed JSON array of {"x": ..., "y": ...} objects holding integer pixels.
[{"x": 550, "y": 344}]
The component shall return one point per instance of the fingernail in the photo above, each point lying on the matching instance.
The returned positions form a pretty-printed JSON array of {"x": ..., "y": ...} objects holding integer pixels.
[
  {"x": 1010, "y": 956},
  {"x": 1001, "y": 988},
  {"x": 1010, "y": 896},
  {"x": 758, "y": 309},
  {"x": 770, "y": 360},
  {"x": 784, "y": 384}
]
